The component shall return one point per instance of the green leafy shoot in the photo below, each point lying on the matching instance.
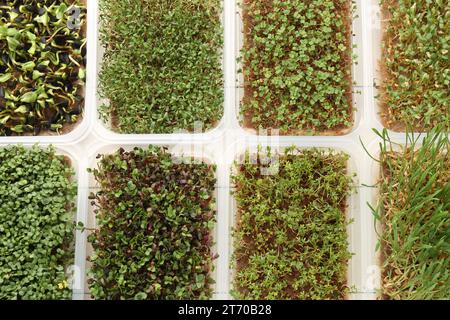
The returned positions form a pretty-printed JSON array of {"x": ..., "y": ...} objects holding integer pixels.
[
  {"x": 42, "y": 66},
  {"x": 415, "y": 64},
  {"x": 37, "y": 213},
  {"x": 154, "y": 217},
  {"x": 414, "y": 215},
  {"x": 162, "y": 67},
  {"x": 297, "y": 65},
  {"x": 290, "y": 239}
]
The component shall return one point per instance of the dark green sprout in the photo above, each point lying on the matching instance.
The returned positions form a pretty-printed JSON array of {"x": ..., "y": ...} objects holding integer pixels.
[{"x": 297, "y": 64}]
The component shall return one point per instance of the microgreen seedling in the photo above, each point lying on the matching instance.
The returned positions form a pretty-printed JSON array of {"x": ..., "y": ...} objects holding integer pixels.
[
  {"x": 37, "y": 211},
  {"x": 297, "y": 65},
  {"x": 162, "y": 67},
  {"x": 415, "y": 64},
  {"x": 154, "y": 227},
  {"x": 42, "y": 66},
  {"x": 413, "y": 212},
  {"x": 290, "y": 235}
]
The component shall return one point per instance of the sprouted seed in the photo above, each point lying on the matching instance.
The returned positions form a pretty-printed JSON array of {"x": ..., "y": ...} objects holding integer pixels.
[
  {"x": 42, "y": 65},
  {"x": 290, "y": 235},
  {"x": 414, "y": 216}
]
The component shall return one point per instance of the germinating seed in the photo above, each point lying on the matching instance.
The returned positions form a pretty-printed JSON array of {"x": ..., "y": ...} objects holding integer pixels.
[
  {"x": 297, "y": 60},
  {"x": 161, "y": 71},
  {"x": 42, "y": 65},
  {"x": 290, "y": 237},
  {"x": 415, "y": 218},
  {"x": 37, "y": 208},
  {"x": 155, "y": 218},
  {"x": 415, "y": 63}
]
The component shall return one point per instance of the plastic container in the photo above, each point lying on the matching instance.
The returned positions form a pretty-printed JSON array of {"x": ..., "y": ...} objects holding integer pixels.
[
  {"x": 104, "y": 129},
  {"x": 354, "y": 279},
  {"x": 178, "y": 153},
  {"x": 68, "y": 152},
  {"x": 357, "y": 71}
]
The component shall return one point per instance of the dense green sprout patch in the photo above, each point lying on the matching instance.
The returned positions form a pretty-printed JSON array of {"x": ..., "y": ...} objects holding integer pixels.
[
  {"x": 297, "y": 64},
  {"x": 290, "y": 234},
  {"x": 155, "y": 217},
  {"x": 37, "y": 210},
  {"x": 415, "y": 219},
  {"x": 42, "y": 65},
  {"x": 415, "y": 63},
  {"x": 162, "y": 66}
]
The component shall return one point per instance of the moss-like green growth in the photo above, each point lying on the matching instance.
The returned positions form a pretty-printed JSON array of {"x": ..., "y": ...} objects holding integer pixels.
[
  {"x": 415, "y": 219},
  {"x": 162, "y": 67},
  {"x": 415, "y": 64},
  {"x": 290, "y": 237},
  {"x": 155, "y": 218},
  {"x": 297, "y": 64},
  {"x": 42, "y": 65},
  {"x": 37, "y": 210}
]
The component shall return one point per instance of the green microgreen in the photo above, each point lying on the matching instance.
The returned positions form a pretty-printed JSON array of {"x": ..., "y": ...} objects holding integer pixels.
[
  {"x": 414, "y": 215},
  {"x": 162, "y": 66},
  {"x": 37, "y": 211},
  {"x": 415, "y": 63},
  {"x": 297, "y": 65},
  {"x": 154, "y": 227},
  {"x": 290, "y": 235},
  {"x": 42, "y": 65}
]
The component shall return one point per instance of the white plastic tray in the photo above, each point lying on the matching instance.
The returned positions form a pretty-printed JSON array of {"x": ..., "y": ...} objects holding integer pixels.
[
  {"x": 103, "y": 129},
  {"x": 354, "y": 279},
  {"x": 223, "y": 144},
  {"x": 185, "y": 152}
]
